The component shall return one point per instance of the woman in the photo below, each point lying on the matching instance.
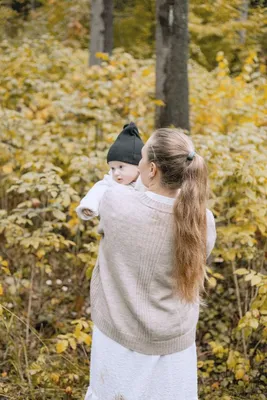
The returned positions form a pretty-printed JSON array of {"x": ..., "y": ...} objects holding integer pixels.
[{"x": 146, "y": 286}]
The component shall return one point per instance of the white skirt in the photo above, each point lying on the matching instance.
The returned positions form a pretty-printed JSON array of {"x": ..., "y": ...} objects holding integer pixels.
[{"x": 118, "y": 373}]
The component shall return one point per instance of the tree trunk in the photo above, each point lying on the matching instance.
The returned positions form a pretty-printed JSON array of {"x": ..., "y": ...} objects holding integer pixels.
[
  {"x": 163, "y": 38},
  {"x": 243, "y": 18},
  {"x": 171, "y": 67},
  {"x": 101, "y": 29}
]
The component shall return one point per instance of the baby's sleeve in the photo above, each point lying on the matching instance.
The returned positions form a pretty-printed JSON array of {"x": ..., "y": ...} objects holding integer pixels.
[
  {"x": 211, "y": 232},
  {"x": 93, "y": 198}
]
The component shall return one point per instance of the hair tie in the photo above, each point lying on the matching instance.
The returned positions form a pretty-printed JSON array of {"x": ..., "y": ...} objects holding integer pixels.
[{"x": 191, "y": 155}]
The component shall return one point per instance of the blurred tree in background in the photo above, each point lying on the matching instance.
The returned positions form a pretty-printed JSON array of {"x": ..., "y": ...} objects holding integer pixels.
[
  {"x": 172, "y": 64},
  {"x": 236, "y": 27},
  {"x": 101, "y": 21}
]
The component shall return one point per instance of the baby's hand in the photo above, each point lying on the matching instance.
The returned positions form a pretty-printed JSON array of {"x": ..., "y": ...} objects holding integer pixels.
[{"x": 87, "y": 212}]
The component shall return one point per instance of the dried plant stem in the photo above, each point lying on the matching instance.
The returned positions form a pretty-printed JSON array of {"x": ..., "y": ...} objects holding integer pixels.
[
  {"x": 239, "y": 307},
  {"x": 29, "y": 306},
  {"x": 27, "y": 366},
  {"x": 24, "y": 323}
]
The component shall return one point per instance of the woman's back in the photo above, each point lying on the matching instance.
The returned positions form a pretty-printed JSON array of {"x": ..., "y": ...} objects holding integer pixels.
[{"x": 133, "y": 291}]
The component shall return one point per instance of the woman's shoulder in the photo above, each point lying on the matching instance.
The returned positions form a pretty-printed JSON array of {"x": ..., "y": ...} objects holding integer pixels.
[
  {"x": 120, "y": 190},
  {"x": 120, "y": 194}
]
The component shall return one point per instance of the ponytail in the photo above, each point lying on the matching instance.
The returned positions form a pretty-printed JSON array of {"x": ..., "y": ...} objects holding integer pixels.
[
  {"x": 181, "y": 168},
  {"x": 190, "y": 231}
]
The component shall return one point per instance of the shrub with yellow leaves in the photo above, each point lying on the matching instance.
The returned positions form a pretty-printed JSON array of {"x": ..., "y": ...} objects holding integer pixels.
[{"x": 58, "y": 118}]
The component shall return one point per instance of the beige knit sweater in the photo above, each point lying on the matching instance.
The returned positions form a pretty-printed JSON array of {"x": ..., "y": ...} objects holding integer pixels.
[{"x": 132, "y": 290}]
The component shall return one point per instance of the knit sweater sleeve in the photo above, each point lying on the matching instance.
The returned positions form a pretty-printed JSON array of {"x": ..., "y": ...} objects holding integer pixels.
[
  {"x": 93, "y": 198},
  {"x": 211, "y": 232}
]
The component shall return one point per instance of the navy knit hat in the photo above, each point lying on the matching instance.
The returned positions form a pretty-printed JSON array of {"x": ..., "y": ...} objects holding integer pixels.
[{"x": 127, "y": 147}]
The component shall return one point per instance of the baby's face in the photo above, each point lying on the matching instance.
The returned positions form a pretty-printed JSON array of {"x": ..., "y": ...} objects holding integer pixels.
[{"x": 123, "y": 173}]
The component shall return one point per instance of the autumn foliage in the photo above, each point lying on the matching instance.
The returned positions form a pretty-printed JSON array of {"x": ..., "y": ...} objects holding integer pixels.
[{"x": 58, "y": 118}]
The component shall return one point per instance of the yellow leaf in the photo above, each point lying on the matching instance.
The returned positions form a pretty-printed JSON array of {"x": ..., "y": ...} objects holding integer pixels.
[
  {"x": 146, "y": 72},
  {"x": 241, "y": 271},
  {"x": 239, "y": 374},
  {"x": 254, "y": 323},
  {"x": 4, "y": 263},
  {"x": 28, "y": 114},
  {"x": 7, "y": 169},
  {"x": 209, "y": 270},
  {"x": 255, "y": 313},
  {"x": 1, "y": 290},
  {"x": 66, "y": 200},
  {"x": 40, "y": 253},
  {"x": 82, "y": 337},
  {"x": 212, "y": 282},
  {"x": 159, "y": 103},
  {"x": 259, "y": 357},
  {"x": 6, "y": 270},
  {"x": 219, "y": 56},
  {"x": 54, "y": 194},
  {"x": 230, "y": 255},
  {"x": 77, "y": 332},
  {"x": 255, "y": 280},
  {"x": 262, "y": 228},
  {"x": 73, "y": 344},
  {"x": 62, "y": 346},
  {"x": 85, "y": 324},
  {"x": 87, "y": 339},
  {"x": 55, "y": 377},
  {"x": 263, "y": 289},
  {"x": 249, "y": 276},
  {"x": 59, "y": 215},
  {"x": 231, "y": 361},
  {"x": 218, "y": 276},
  {"x": 102, "y": 56}
]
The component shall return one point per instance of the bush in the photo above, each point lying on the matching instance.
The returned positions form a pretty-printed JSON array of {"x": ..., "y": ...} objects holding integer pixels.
[{"x": 58, "y": 117}]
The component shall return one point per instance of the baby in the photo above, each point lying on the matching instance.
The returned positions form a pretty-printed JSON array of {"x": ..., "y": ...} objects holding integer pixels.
[{"x": 123, "y": 159}]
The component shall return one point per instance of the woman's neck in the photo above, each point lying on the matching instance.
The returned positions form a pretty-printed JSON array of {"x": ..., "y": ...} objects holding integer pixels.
[{"x": 163, "y": 191}]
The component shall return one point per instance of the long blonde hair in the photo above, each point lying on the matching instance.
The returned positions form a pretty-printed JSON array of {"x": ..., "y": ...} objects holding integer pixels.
[{"x": 169, "y": 150}]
